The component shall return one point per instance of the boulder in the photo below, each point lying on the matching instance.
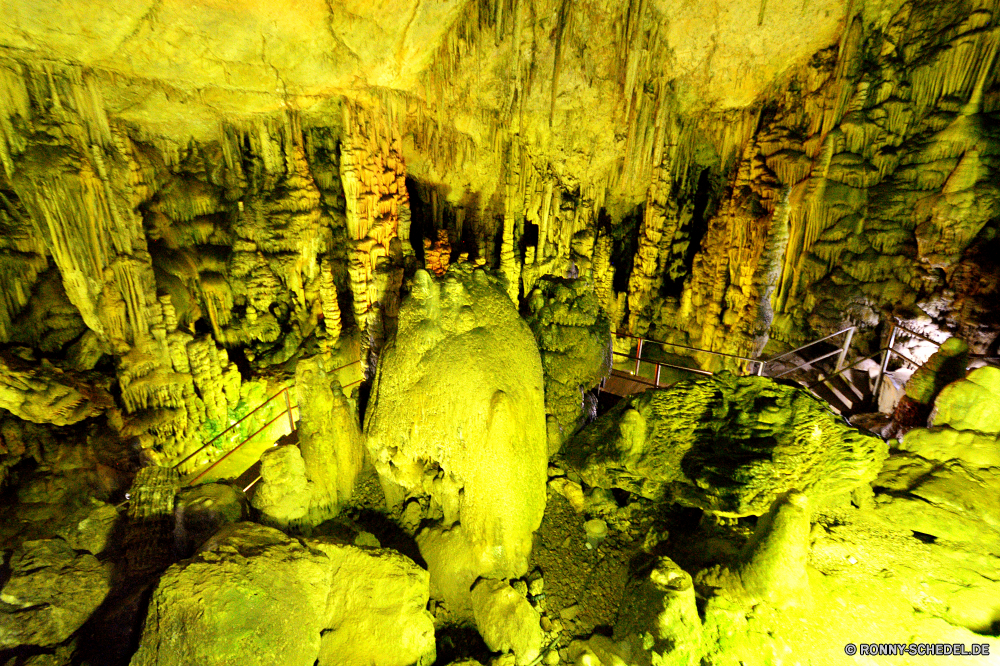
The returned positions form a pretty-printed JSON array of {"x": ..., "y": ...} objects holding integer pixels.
[
  {"x": 457, "y": 413},
  {"x": 51, "y": 592},
  {"x": 952, "y": 501},
  {"x": 972, "y": 403},
  {"x": 728, "y": 445},
  {"x": 506, "y": 620},
  {"x": 252, "y": 595},
  {"x": 203, "y": 510},
  {"x": 283, "y": 494},
  {"x": 376, "y": 613},
  {"x": 454, "y": 564},
  {"x": 658, "y": 621},
  {"x": 946, "y": 365},
  {"x": 90, "y": 527},
  {"x": 974, "y": 448}
]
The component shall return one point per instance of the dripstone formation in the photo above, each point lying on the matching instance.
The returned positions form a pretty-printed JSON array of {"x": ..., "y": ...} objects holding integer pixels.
[{"x": 434, "y": 333}]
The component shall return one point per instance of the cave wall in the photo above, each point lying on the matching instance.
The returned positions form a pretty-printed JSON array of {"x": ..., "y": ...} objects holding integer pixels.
[{"x": 193, "y": 194}]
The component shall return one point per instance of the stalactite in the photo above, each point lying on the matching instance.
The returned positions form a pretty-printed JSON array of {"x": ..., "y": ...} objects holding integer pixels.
[
  {"x": 660, "y": 219},
  {"x": 328, "y": 295},
  {"x": 373, "y": 176}
]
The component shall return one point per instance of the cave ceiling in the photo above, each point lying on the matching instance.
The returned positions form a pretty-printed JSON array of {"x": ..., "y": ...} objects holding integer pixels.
[{"x": 183, "y": 182}]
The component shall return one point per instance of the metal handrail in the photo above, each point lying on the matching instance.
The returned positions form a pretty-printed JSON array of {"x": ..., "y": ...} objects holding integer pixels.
[
  {"x": 843, "y": 370},
  {"x": 809, "y": 363},
  {"x": 674, "y": 344},
  {"x": 241, "y": 444},
  {"x": 850, "y": 329},
  {"x": 248, "y": 415},
  {"x": 287, "y": 410},
  {"x": 658, "y": 364}
]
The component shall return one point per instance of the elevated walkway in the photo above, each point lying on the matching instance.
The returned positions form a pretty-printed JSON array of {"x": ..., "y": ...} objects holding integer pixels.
[
  {"x": 820, "y": 367},
  {"x": 242, "y": 461}
]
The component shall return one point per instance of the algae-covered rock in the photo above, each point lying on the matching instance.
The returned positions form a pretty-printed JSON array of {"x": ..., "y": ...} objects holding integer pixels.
[
  {"x": 965, "y": 423},
  {"x": 51, "y": 592},
  {"x": 255, "y": 596},
  {"x": 772, "y": 565},
  {"x": 946, "y": 365},
  {"x": 90, "y": 527},
  {"x": 251, "y": 596},
  {"x": 457, "y": 413},
  {"x": 376, "y": 613},
  {"x": 729, "y": 445},
  {"x": 943, "y": 444},
  {"x": 952, "y": 501}
]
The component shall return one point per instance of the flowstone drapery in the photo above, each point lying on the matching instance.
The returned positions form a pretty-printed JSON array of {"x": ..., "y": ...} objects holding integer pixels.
[{"x": 457, "y": 413}]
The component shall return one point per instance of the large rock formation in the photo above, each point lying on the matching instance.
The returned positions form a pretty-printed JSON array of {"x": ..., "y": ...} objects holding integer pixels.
[
  {"x": 729, "y": 445},
  {"x": 254, "y": 596},
  {"x": 574, "y": 338},
  {"x": 51, "y": 592},
  {"x": 457, "y": 413}
]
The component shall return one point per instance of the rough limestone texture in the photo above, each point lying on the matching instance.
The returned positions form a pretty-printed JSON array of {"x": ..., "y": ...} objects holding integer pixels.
[
  {"x": 972, "y": 403},
  {"x": 202, "y": 511},
  {"x": 457, "y": 413},
  {"x": 47, "y": 394},
  {"x": 964, "y": 432},
  {"x": 775, "y": 558},
  {"x": 729, "y": 445},
  {"x": 953, "y": 500},
  {"x": 773, "y": 564},
  {"x": 90, "y": 527},
  {"x": 283, "y": 494},
  {"x": 376, "y": 614},
  {"x": 658, "y": 620},
  {"x": 949, "y": 499},
  {"x": 453, "y": 566},
  {"x": 255, "y": 596},
  {"x": 51, "y": 592},
  {"x": 329, "y": 438},
  {"x": 574, "y": 338},
  {"x": 945, "y": 366},
  {"x": 506, "y": 620},
  {"x": 149, "y": 530}
]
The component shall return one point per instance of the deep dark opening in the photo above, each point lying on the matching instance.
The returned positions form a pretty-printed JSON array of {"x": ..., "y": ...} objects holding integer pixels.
[
  {"x": 624, "y": 244},
  {"x": 421, "y": 222},
  {"x": 704, "y": 208}
]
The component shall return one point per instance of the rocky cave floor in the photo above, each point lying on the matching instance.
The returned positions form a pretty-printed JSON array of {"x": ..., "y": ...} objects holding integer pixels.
[
  {"x": 871, "y": 578},
  {"x": 864, "y": 571}
]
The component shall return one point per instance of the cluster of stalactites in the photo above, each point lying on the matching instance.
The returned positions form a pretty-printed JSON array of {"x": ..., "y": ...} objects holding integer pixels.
[{"x": 373, "y": 174}]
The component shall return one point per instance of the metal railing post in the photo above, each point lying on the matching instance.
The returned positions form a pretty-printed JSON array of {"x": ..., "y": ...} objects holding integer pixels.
[
  {"x": 657, "y": 380},
  {"x": 843, "y": 351},
  {"x": 288, "y": 408},
  {"x": 885, "y": 363},
  {"x": 638, "y": 356}
]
